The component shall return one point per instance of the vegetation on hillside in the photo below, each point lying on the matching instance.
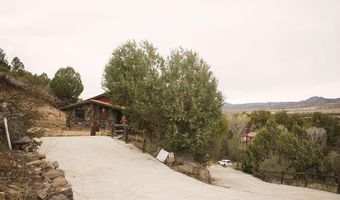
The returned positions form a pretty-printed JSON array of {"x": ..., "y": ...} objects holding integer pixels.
[
  {"x": 20, "y": 91},
  {"x": 66, "y": 85},
  {"x": 16, "y": 76},
  {"x": 286, "y": 142},
  {"x": 24, "y": 93}
]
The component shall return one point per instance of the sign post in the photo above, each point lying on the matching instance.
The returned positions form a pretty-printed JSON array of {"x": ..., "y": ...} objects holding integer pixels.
[
  {"x": 4, "y": 105},
  {"x": 7, "y": 134}
]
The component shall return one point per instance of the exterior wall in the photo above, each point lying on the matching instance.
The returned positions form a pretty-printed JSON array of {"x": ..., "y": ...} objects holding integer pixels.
[
  {"x": 74, "y": 123},
  {"x": 102, "y": 116}
]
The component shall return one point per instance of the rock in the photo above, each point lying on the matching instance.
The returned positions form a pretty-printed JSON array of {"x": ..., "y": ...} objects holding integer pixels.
[
  {"x": 171, "y": 158},
  {"x": 38, "y": 171},
  {"x": 183, "y": 158},
  {"x": 35, "y": 130},
  {"x": 187, "y": 168},
  {"x": 30, "y": 148},
  {"x": 32, "y": 156},
  {"x": 59, "y": 197},
  {"x": 179, "y": 160},
  {"x": 36, "y": 163},
  {"x": 59, "y": 182},
  {"x": 23, "y": 140},
  {"x": 14, "y": 187},
  {"x": 42, "y": 194},
  {"x": 46, "y": 166},
  {"x": 53, "y": 173},
  {"x": 2, "y": 196},
  {"x": 55, "y": 164},
  {"x": 204, "y": 175},
  {"x": 14, "y": 194},
  {"x": 67, "y": 191}
]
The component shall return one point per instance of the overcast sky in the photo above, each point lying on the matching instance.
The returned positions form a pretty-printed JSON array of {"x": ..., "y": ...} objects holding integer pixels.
[{"x": 259, "y": 50}]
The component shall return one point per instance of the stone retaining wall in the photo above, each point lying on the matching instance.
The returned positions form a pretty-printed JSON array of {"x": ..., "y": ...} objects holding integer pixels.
[{"x": 48, "y": 181}]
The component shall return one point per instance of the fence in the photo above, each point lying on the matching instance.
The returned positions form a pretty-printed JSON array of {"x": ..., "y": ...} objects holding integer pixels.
[
  {"x": 311, "y": 180},
  {"x": 131, "y": 134}
]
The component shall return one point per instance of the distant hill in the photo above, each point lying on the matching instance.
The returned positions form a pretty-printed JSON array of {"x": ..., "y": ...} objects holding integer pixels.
[{"x": 312, "y": 104}]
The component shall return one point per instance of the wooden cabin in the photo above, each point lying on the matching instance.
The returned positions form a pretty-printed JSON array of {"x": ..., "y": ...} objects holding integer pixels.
[{"x": 94, "y": 112}]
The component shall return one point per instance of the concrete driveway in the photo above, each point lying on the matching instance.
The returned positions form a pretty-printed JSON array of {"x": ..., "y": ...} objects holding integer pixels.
[
  {"x": 242, "y": 182},
  {"x": 104, "y": 168}
]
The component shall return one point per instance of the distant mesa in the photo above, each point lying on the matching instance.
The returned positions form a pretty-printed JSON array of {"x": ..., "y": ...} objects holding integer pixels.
[
  {"x": 319, "y": 100},
  {"x": 314, "y": 101}
]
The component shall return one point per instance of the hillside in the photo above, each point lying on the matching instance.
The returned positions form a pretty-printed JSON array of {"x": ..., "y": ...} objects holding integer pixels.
[
  {"x": 28, "y": 105},
  {"x": 312, "y": 104}
]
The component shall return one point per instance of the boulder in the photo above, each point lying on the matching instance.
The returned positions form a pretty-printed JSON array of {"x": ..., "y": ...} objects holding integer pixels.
[
  {"x": 204, "y": 175},
  {"x": 46, "y": 166},
  {"x": 187, "y": 168},
  {"x": 14, "y": 194},
  {"x": 59, "y": 182},
  {"x": 67, "y": 191},
  {"x": 59, "y": 197},
  {"x": 29, "y": 148},
  {"x": 22, "y": 141},
  {"x": 2, "y": 196},
  {"x": 171, "y": 158},
  {"x": 183, "y": 158},
  {"x": 32, "y": 156},
  {"x": 53, "y": 173},
  {"x": 43, "y": 193},
  {"x": 55, "y": 164},
  {"x": 36, "y": 163}
]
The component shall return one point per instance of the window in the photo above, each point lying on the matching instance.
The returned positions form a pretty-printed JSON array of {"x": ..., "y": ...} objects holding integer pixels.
[{"x": 80, "y": 114}]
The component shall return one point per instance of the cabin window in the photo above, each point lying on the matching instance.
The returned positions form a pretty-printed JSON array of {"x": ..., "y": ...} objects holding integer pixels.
[{"x": 80, "y": 114}]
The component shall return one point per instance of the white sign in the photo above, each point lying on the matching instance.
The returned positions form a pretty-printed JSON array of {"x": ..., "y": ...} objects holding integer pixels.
[{"x": 162, "y": 155}]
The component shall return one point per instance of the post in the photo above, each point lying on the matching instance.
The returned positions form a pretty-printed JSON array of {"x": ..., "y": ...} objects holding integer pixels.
[
  {"x": 338, "y": 190},
  {"x": 144, "y": 141},
  {"x": 282, "y": 176},
  {"x": 306, "y": 180},
  {"x": 264, "y": 175},
  {"x": 93, "y": 128},
  {"x": 7, "y": 134},
  {"x": 113, "y": 130},
  {"x": 125, "y": 133}
]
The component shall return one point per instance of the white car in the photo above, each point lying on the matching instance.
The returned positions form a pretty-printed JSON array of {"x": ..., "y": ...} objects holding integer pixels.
[{"x": 224, "y": 163}]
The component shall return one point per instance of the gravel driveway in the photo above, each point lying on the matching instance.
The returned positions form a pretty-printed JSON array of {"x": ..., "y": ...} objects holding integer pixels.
[{"x": 103, "y": 168}]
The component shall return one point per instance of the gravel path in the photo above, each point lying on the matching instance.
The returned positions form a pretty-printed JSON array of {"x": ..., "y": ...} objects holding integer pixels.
[{"x": 104, "y": 168}]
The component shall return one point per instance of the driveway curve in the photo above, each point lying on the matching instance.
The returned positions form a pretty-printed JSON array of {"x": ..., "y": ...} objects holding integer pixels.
[{"x": 103, "y": 168}]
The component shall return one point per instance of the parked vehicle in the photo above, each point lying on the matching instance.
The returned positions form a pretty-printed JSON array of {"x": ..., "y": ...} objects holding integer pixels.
[{"x": 224, "y": 163}]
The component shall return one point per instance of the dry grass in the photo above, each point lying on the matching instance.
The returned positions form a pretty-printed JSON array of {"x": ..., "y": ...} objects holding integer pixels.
[{"x": 51, "y": 117}]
